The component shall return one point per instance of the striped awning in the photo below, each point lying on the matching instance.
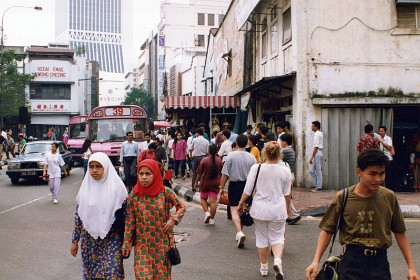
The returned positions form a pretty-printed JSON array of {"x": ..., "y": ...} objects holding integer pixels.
[{"x": 190, "y": 102}]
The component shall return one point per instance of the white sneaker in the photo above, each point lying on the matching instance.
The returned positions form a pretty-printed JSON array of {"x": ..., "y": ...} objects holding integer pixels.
[
  {"x": 264, "y": 270},
  {"x": 241, "y": 239},
  {"x": 211, "y": 222},
  {"x": 55, "y": 201},
  {"x": 207, "y": 217},
  {"x": 277, "y": 266}
]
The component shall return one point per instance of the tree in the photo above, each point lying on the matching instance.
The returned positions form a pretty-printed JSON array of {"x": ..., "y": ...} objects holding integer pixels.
[
  {"x": 12, "y": 83},
  {"x": 142, "y": 98}
]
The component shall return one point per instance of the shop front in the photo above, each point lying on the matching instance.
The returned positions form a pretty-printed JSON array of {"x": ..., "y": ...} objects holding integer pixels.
[
  {"x": 270, "y": 100},
  {"x": 189, "y": 111},
  {"x": 344, "y": 125}
]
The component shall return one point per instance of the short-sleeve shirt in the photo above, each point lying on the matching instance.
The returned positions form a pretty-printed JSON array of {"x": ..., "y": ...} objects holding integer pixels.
[
  {"x": 367, "y": 142},
  {"x": 225, "y": 149},
  {"x": 54, "y": 162},
  {"x": 368, "y": 221},
  {"x": 237, "y": 165},
  {"x": 179, "y": 148},
  {"x": 199, "y": 147},
  {"x": 319, "y": 140},
  {"x": 256, "y": 153},
  {"x": 273, "y": 184},
  {"x": 388, "y": 141}
]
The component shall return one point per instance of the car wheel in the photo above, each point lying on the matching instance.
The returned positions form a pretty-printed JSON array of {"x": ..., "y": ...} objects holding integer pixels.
[{"x": 15, "y": 181}]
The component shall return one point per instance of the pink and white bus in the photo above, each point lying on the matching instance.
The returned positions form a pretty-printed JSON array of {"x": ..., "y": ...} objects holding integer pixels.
[
  {"x": 109, "y": 124},
  {"x": 78, "y": 132}
]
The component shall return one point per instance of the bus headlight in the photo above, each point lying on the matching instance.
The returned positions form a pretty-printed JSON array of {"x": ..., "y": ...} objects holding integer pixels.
[{"x": 40, "y": 164}]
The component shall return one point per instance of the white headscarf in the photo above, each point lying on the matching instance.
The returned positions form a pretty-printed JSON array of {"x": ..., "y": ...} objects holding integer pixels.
[{"x": 99, "y": 199}]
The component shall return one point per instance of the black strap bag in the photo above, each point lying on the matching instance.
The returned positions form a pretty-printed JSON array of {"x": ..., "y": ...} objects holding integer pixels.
[
  {"x": 329, "y": 269},
  {"x": 246, "y": 218},
  {"x": 173, "y": 253}
]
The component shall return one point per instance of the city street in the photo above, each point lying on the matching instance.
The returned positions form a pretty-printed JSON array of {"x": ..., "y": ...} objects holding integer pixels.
[{"x": 35, "y": 238}]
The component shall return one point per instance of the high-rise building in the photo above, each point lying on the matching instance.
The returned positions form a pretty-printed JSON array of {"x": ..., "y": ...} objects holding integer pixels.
[
  {"x": 93, "y": 28},
  {"x": 97, "y": 30}
]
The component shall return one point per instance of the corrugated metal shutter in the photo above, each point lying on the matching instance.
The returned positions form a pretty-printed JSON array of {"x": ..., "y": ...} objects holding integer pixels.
[{"x": 342, "y": 128}]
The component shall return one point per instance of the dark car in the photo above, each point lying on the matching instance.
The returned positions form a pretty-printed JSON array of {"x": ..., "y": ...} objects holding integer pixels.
[{"x": 30, "y": 163}]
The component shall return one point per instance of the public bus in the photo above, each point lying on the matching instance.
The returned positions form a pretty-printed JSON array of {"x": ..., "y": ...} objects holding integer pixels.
[
  {"x": 78, "y": 132},
  {"x": 109, "y": 124}
]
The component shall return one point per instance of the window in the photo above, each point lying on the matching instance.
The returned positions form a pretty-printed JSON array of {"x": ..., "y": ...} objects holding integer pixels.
[
  {"x": 287, "y": 26},
  {"x": 408, "y": 16},
  {"x": 200, "y": 19},
  {"x": 274, "y": 37},
  {"x": 274, "y": 13},
  {"x": 210, "y": 19},
  {"x": 221, "y": 17},
  {"x": 50, "y": 91},
  {"x": 199, "y": 40},
  {"x": 264, "y": 38}
]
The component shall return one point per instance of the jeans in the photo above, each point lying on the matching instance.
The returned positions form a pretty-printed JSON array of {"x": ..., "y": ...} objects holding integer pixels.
[
  {"x": 182, "y": 163},
  {"x": 316, "y": 171}
]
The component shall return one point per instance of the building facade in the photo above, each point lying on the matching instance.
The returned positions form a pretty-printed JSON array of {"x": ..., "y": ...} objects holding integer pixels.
[
  {"x": 339, "y": 63},
  {"x": 63, "y": 87},
  {"x": 98, "y": 31}
]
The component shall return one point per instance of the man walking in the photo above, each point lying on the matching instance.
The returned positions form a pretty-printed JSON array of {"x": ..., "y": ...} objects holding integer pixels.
[
  {"x": 371, "y": 213},
  {"x": 199, "y": 149},
  {"x": 236, "y": 168},
  {"x": 289, "y": 157},
  {"x": 316, "y": 158},
  {"x": 128, "y": 159}
]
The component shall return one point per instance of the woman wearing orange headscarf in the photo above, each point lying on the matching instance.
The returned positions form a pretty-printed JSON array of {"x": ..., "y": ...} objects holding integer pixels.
[{"x": 149, "y": 223}]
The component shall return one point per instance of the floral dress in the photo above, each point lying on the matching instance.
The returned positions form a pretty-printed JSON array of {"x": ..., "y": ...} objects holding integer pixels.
[
  {"x": 144, "y": 222},
  {"x": 101, "y": 258}
]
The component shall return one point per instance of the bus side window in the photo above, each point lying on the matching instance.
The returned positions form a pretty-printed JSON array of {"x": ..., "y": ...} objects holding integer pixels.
[{"x": 83, "y": 126}]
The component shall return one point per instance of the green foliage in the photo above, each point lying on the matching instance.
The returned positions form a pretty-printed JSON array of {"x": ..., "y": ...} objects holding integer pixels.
[
  {"x": 12, "y": 83},
  {"x": 142, "y": 98}
]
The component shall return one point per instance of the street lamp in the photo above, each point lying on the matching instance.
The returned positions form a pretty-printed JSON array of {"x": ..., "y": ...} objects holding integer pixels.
[{"x": 1, "y": 52}]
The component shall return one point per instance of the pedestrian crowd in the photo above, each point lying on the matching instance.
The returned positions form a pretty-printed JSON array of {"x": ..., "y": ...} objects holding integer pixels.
[{"x": 115, "y": 217}]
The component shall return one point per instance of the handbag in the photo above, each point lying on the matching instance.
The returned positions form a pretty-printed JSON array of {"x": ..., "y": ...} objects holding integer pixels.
[
  {"x": 245, "y": 216},
  {"x": 224, "y": 199},
  {"x": 173, "y": 253},
  {"x": 330, "y": 267}
]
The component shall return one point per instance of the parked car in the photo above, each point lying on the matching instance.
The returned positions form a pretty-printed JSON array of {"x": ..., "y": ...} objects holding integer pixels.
[{"x": 29, "y": 163}]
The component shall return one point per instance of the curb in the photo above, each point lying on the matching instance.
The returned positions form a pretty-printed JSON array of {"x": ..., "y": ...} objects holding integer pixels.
[{"x": 191, "y": 196}]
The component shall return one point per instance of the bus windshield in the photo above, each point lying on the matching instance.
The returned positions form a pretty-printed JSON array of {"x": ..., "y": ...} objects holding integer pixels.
[
  {"x": 78, "y": 131},
  {"x": 114, "y": 130}
]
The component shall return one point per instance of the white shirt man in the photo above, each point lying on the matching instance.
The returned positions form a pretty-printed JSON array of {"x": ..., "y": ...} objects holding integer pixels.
[
  {"x": 226, "y": 146},
  {"x": 386, "y": 144},
  {"x": 145, "y": 144}
]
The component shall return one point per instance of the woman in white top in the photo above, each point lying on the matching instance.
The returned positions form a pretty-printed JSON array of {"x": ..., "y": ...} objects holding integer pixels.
[{"x": 270, "y": 206}]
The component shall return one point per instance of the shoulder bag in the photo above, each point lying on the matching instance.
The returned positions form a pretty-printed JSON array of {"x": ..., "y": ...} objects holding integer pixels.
[
  {"x": 173, "y": 253},
  {"x": 246, "y": 218},
  {"x": 329, "y": 269}
]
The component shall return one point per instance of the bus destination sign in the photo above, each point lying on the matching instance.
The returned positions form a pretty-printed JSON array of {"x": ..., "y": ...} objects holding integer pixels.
[{"x": 117, "y": 111}]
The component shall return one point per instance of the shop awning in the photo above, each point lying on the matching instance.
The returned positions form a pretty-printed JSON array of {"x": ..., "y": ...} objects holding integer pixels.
[
  {"x": 267, "y": 82},
  {"x": 190, "y": 102}
]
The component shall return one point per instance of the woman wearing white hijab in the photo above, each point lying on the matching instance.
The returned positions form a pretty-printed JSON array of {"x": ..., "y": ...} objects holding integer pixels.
[{"x": 99, "y": 220}]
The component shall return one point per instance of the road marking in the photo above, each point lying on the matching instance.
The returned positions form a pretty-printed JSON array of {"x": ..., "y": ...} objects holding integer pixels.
[
  {"x": 24, "y": 204},
  {"x": 78, "y": 182}
]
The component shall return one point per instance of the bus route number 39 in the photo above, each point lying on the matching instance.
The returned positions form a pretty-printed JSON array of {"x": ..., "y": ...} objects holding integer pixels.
[{"x": 118, "y": 111}]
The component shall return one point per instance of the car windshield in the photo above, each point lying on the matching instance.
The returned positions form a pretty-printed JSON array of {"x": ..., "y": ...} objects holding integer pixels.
[
  {"x": 36, "y": 148},
  {"x": 114, "y": 130}
]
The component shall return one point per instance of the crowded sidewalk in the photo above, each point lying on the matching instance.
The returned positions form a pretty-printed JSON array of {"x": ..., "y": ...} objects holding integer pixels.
[{"x": 310, "y": 203}]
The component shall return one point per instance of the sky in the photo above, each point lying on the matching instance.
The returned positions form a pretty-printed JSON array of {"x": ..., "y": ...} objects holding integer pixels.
[{"x": 26, "y": 26}]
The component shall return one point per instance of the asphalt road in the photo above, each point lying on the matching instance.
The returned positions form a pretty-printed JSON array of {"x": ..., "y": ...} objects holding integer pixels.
[{"x": 35, "y": 236}]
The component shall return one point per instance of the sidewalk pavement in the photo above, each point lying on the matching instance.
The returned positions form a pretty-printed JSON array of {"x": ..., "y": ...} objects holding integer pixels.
[{"x": 309, "y": 203}]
